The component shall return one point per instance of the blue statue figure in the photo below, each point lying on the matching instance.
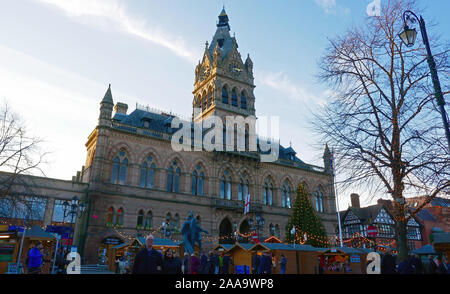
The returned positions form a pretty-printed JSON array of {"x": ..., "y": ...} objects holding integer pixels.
[{"x": 191, "y": 231}]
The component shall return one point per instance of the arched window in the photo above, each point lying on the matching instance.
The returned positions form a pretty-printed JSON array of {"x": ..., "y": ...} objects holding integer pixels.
[
  {"x": 197, "y": 184},
  {"x": 234, "y": 99},
  {"x": 277, "y": 231},
  {"x": 140, "y": 219},
  {"x": 272, "y": 230},
  {"x": 225, "y": 186},
  {"x": 318, "y": 195},
  {"x": 243, "y": 100},
  {"x": 173, "y": 177},
  {"x": 149, "y": 220},
  {"x": 268, "y": 192},
  {"x": 148, "y": 173},
  {"x": 176, "y": 221},
  {"x": 243, "y": 188},
  {"x": 110, "y": 220},
  {"x": 286, "y": 195},
  {"x": 119, "y": 168},
  {"x": 119, "y": 218},
  {"x": 224, "y": 95}
]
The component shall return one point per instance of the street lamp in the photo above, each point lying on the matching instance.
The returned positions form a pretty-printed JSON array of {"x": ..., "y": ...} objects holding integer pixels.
[
  {"x": 259, "y": 223},
  {"x": 75, "y": 209},
  {"x": 408, "y": 36}
]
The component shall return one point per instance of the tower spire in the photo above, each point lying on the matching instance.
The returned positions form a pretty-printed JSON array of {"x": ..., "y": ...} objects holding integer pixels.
[{"x": 223, "y": 19}]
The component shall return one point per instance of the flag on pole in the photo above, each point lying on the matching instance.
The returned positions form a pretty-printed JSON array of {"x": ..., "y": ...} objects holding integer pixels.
[{"x": 247, "y": 204}]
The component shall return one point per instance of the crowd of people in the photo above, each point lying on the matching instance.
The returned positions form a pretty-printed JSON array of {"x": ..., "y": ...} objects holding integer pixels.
[
  {"x": 413, "y": 264},
  {"x": 150, "y": 261}
]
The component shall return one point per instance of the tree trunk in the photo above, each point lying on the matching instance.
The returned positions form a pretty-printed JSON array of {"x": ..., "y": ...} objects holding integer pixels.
[{"x": 402, "y": 245}]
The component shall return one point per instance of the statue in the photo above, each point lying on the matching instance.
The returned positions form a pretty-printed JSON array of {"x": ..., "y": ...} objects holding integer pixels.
[{"x": 191, "y": 231}]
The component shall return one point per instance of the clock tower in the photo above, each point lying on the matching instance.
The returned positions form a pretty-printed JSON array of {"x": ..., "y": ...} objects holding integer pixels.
[{"x": 224, "y": 84}]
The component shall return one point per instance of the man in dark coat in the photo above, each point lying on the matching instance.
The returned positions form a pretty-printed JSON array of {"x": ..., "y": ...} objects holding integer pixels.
[
  {"x": 388, "y": 263},
  {"x": 405, "y": 267},
  {"x": 215, "y": 262},
  {"x": 416, "y": 264},
  {"x": 255, "y": 264},
  {"x": 227, "y": 261},
  {"x": 148, "y": 260},
  {"x": 265, "y": 265},
  {"x": 431, "y": 267},
  {"x": 203, "y": 264}
]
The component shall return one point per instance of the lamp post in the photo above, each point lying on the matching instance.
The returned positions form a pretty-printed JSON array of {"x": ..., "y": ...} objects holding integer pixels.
[
  {"x": 408, "y": 36},
  {"x": 259, "y": 223},
  {"x": 75, "y": 209}
]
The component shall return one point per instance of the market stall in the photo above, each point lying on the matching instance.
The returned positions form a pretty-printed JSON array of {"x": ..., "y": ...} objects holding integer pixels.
[
  {"x": 33, "y": 235},
  {"x": 301, "y": 259},
  {"x": 343, "y": 260},
  {"x": 241, "y": 256}
]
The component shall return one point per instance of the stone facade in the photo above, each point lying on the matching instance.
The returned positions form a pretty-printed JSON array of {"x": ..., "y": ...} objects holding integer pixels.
[{"x": 131, "y": 139}]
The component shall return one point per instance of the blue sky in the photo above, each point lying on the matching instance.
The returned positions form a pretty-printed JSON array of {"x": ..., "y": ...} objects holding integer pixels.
[{"x": 57, "y": 58}]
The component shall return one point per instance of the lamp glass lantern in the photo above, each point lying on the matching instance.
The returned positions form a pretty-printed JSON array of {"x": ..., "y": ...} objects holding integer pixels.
[{"x": 408, "y": 36}]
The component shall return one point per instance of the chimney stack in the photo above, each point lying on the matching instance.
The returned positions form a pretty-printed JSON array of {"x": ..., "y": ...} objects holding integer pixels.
[
  {"x": 121, "y": 108},
  {"x": 355, "y": 200}
]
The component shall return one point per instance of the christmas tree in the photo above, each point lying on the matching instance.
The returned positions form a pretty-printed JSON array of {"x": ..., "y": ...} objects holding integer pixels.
[{"x": 308, "y": 227}]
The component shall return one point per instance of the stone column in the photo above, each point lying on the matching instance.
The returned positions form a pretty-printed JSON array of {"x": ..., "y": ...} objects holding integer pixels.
[{"x": 48, "y": 214}]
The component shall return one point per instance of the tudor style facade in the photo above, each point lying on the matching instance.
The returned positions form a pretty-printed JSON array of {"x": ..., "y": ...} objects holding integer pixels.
[
  {"x": 139, "y": 185},
  {"x": 356, "y": 219}
]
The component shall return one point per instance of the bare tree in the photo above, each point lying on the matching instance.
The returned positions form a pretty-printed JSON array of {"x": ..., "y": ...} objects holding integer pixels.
[
  {"x": 20, "y": 155},
  {"x": 382, "y": 118}
]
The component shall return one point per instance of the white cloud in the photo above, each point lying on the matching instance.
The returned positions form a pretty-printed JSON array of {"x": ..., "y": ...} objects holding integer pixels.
[
  {"x": 115, "y": 13},
  {"x": 327, "y": 5},
  {"x": 280, "y": 81}
]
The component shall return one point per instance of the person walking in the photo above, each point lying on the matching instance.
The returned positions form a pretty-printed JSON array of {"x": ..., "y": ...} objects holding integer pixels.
[
  {"x": 203, "y": 264},
  {"x": 215, "y": 262},
  {"x": 416, "y": 264},
  {"x": 171, "y": 265},
  {"x": 265, "y": 265},
  {"x": 34, "y": 259},
  {"x": 441, "y": 266},
  {"x": 227, "y": 261},
  {"x": 148, "y": 260},
  {"x": 283, "y": 264},
  {"x": 195, "y": 264},
  {"x": 255, "y": 263},
  {"x": 388, "y": 263},
  {"x": 431, "y": 268},
  {"x": 185, "y": 266},
  {"x": 405, "y": 267}
]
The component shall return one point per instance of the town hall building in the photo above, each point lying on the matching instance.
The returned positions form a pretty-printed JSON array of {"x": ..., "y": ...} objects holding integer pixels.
[{"x": 134, "y": 183}]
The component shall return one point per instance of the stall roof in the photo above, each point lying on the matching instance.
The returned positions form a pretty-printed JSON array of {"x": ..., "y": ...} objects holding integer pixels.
[
  {"x": 36, "y": 232},
  {"x": 245, "y": 246},
  {"x": 283, "y": 246},
  {"x": 227, "y": 247},
  {"x": 121, "y": 245},
  {"x": 160, "y": 242},
  {"x": 441, "y": 238},
  {"x": 424, "y": 250}
]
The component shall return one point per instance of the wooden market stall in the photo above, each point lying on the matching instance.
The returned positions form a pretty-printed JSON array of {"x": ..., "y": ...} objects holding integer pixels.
[
  {"x": 138, "y": 243},
  {"x": 301, "y": 259},
  {"x": 33, "y": 235},
  {"x": 342, "y": 260},
  {"x": 441, "y": 243},
  {"x": 241, "y": 257},
  {"x": 9, "y": 248}
]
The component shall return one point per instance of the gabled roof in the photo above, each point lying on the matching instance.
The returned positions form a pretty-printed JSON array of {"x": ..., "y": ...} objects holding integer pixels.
[
  {"x": 159, "y": 242},
  {"x": 36, "y": 232},
  {"x": 365, "y": 213},
  {"x": 441, "y": 238},
  {"x": 424, "y": 250},
  {"x": 425, "y": 215},
  {"x": 439, "y": 201}
]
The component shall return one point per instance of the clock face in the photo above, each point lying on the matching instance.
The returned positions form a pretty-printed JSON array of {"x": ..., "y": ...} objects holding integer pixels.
[{"x": 234, "y": 69}]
